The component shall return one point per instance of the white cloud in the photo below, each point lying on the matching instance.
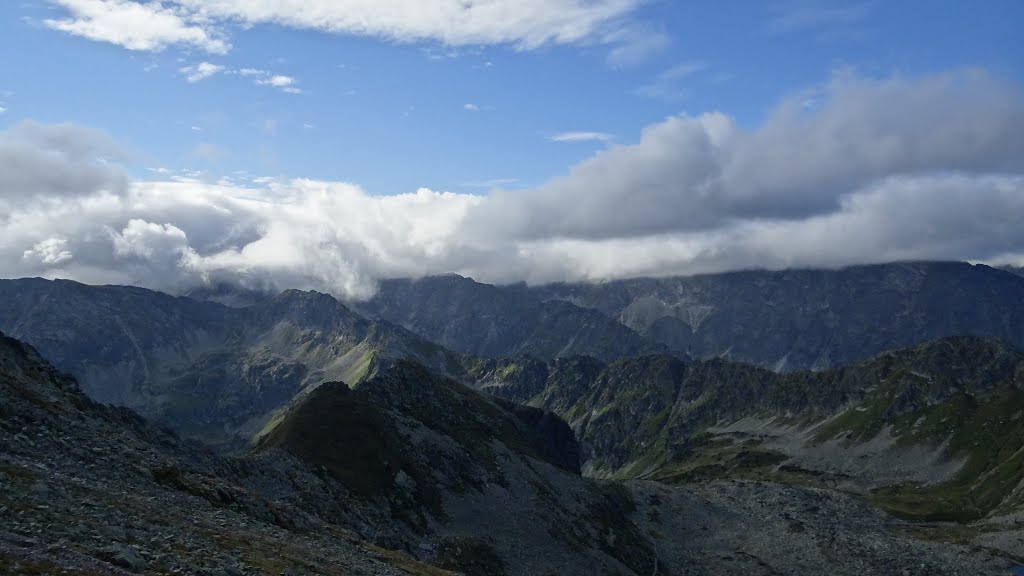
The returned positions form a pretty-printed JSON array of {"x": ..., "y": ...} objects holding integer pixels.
[
  {"x": 200, "y": 71},
  {"x": 49, "y": 252},
  {"x": 2, "y": 109},
  {"x": 264, "y": 78},
  {"x": 879, "y": 170},
  {"x": 471, "y": 107},
  {"x": 698, "y": 173},
  {"x": 524, "y": 24},
  {"x": 277, "y": 81},
  {"x": 581, "y": 137},
  {"x": 137, "y": 26}
]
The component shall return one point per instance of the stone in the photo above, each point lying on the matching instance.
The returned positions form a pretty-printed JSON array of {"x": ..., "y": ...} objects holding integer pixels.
[{"x": 124, "y": 557}]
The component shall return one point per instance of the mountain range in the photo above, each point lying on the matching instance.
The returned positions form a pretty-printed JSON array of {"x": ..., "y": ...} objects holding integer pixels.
[
  {"x": 932, "y": 432},
  {"x": 676, "y": 425},
  {"x": 811, "y": 319},
  {"x": 409, "y": 473}
]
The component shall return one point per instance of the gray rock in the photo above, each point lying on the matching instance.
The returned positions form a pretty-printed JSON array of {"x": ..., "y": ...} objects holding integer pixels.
[{"x": 123, "y": 556}]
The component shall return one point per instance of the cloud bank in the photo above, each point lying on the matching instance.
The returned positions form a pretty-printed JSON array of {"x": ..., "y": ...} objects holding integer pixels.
[{"x": 878, "y": 170}]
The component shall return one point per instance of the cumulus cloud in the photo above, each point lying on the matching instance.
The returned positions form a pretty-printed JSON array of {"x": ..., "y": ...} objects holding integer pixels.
[
  {"x": 39, "y": 162},
  {"x": 148, "y": 26},
  {"x": 525, "y": 24},
  {"x": 878, "y": 170}
]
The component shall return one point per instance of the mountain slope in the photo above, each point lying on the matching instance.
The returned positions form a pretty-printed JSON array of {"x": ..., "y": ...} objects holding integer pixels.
[
  {"x": 90, "y": 489},
  {"x": 447, "y": 458},
  {"x": 933, "y": 431},
  {"x": 810, "y": 319},
  {"x": 408, "y": 459},
  {"x": 214, "y": 372},
  {"x": 488, "y": 321}
]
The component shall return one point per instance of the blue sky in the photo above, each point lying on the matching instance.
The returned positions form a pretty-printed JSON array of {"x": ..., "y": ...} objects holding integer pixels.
[
  {"x": 330, "y": 143},
  {"x": 391, "y": 114}
]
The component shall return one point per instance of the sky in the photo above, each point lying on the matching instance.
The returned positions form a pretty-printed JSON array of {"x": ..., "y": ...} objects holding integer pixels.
[{"x": 329, "y": 143}]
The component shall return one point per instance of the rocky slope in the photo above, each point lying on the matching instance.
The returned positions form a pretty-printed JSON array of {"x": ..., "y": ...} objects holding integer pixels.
[
  {"x": 448, "y": 461},
  {"x": 457, "y": 482},
  {"x": 489, "y": 321},
  {"x": 210, "y": 371},
  {"x": 90, "y": 489},
  {"x": 810, "y": 319},
  {"x": 933, "y": 432},
  {"x": 408, "y": 460}
]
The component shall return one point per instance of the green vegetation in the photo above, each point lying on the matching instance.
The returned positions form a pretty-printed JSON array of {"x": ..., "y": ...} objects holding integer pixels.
[
  {"x": 989, "y": 432},
  {"x": 645, "y": 419}
]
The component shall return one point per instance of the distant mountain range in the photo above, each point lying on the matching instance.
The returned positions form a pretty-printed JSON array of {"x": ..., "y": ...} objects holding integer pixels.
[
  {"x": 1018, "y": 270},
  {"x": 491, "y": 321},
  {"x": 788, "y": 320},
  {"x": 220, "y": 372},
  {"x": 800, "y": 319},
  {"x": 210, "y": 371}
]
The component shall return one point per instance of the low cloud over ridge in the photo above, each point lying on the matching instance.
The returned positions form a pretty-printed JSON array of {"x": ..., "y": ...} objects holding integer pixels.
[{"x": 876, "y": 170}]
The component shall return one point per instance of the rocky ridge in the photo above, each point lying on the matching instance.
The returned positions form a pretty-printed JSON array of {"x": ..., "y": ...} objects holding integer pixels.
[
  {"x": 209, "y": 371},
  {"x": 931, "y": 432},
  {"x": 809, "y": 319},
  {"x": 490, "y": 321}
]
